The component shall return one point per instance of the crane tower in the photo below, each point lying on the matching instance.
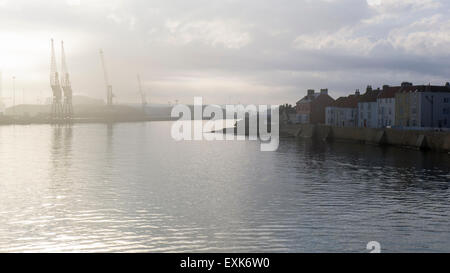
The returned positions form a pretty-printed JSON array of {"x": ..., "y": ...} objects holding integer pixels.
[
  {"x": 109, "y": 93},
  {"x": 143, "y": 95},
  {"x": 66, "y": 86},
  {"x": 56, "y": 87}
]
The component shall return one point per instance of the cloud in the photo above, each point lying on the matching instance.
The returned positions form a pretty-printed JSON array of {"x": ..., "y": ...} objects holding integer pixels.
[
  {"x": 267, "y": 50},
  {"x": 397, "y": 30},
  {"x": 427, "y": 37},
  {"x": 73, "y": 2},
  {"x": 343, "y": 40},
  {"x": 403, "y": 5},
  {"x": 230, "y": 34}
]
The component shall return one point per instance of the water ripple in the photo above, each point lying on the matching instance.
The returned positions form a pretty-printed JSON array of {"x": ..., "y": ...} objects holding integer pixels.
[{"x": 130, "y": 188}]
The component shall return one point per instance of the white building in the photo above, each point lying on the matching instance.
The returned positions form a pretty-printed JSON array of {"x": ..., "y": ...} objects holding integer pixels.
[
  {"x": 423, "y": 106},
  {"x": 435, "y": 109},
  {"x": 368, "y": 109},
  {"x": 386, "y": 106},
  {"x": 343, "y": 112}
]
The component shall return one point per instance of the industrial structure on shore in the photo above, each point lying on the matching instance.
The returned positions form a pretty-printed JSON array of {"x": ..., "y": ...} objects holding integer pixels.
[
  {"x": 62, "y": 93},
  {"x": 109, "y": 92},
  {"x": 62, "y": 107},
  {"x": 143, "y": 95},
  {"x": 66, "y": 86}
]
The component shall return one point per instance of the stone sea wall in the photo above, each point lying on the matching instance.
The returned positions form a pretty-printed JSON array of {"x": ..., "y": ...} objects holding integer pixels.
[{"x": 437, "y": 141}]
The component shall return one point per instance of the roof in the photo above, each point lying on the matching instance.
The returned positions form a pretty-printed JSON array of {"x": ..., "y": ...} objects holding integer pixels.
[
  {"x": 389, "y": 92},
  {"x": 307, "y": 99},
  {"x": 370, "y": 96},
  {"x": 347, "y": 102},
  {"x": 425, "y": 88}
]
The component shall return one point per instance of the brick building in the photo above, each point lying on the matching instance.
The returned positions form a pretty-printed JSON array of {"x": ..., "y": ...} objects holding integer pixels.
[{"x": 311, "y": 108}]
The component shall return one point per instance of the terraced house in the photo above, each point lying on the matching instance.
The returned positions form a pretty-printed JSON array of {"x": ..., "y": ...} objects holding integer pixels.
[
  {"x": 311, "y": 108},
  {"x": 368, "y": 108},
  {"x": 343, "y": 112},
  {"x": 423, "y": 106},
  {"x": 386, "y": 105}
]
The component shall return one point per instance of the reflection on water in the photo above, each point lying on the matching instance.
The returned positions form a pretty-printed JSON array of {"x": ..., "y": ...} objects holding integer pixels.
[{"x": 130, "y": 187}]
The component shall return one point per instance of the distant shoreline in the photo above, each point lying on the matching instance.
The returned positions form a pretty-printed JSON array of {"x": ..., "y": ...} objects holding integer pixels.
[{"x": 32, "y": 121}]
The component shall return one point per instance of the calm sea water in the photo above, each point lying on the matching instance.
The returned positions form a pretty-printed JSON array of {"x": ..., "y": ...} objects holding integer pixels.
[{"x": 130, "y": 188}]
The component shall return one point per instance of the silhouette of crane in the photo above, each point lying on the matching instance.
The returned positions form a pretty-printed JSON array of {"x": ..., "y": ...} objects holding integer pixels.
[
  {"x": 66, "y": 86},
  {"x": 143, "y": 95},
  {"x": 56, "y": 87},
  {"x": 109, "y": 93}
]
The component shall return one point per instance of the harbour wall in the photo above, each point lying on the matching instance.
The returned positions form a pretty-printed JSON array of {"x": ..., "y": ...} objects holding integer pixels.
[{"x": 432, "y": 140}]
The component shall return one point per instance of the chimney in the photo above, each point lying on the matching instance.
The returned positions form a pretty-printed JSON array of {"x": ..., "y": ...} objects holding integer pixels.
[
  {"x": 310, "y": 93},
  {"x": 357, "y": 93},
  {"x": 405, "y": 84},
  {"x": 369, "y": 88},
  {"x": 324, "y": 91},
  {"x": 385, "y": 87}
]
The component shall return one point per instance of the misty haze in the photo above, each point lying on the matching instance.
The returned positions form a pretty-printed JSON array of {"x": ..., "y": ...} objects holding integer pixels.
[{"x": 212, "y": 126}]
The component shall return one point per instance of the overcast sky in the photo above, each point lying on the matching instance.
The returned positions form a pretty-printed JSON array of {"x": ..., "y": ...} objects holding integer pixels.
[{"x": 228, "y": 51}]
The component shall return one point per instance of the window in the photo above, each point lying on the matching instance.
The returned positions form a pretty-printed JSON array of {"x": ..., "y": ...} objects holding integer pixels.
[{"x": 446, "y": 100}]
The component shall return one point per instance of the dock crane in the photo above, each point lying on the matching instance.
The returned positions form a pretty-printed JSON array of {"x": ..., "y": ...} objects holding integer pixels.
[
  {"x": 56, "y": 87},
  {"x": 142, "y": 93},
  {"x": 66, "y": 86},
  {"x": 109, "y": 93}
]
